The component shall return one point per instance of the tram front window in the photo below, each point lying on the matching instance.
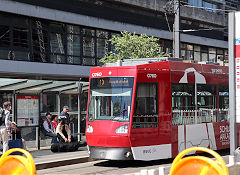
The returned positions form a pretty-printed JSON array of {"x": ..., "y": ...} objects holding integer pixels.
[{"x": 110, "y": 99}]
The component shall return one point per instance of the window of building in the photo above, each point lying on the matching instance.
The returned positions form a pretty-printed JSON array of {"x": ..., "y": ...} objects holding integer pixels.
[
  {"x": 73, "y": 44},
  {"x": 201, "y": 3},
  {"x": 20, "y": 44},
  {"x": 146, "y": 108},
  {"x": 225, "y": 60},
  {"x": 39, "y": 41},
  {"x": 4, "y": 42},
  {"x": 204, "y": 53},
  {"x": 197, "y": 55},
  {"x": 57, "y": 43},
  {"x": 89, "y": 47},
  {"x": 168, "y": 48},
  {"x": 212, "y": 54},
  {"x": 20, "y": 37},
  {"x": 102, "y": 43},
  {"x": 4, "y": 36}
]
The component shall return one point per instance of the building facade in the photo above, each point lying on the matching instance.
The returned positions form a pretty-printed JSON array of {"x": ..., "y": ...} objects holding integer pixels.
[
  {"x": 62, "y": 40},
  {"x": 77, "y": 32}
]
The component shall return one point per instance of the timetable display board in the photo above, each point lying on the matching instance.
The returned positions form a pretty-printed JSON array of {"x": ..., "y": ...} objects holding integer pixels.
[
  {"x": 237, "y": 64},
  {"x": 27, "y": 110}
]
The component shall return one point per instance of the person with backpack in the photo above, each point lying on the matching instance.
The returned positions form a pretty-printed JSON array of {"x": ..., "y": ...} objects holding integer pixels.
[
  {"x": 49, "y": 128},
  {"x": 5, "y": 124}
]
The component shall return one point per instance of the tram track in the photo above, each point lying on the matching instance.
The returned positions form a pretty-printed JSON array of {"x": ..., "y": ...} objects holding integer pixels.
[{"x": 107, "y": 167}]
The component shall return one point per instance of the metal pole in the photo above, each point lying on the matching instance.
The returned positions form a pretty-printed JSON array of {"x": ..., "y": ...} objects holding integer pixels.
[
  {"x": 176, "y": 28},
  {"x": 79, "y": 110},
  {"x": 59, "y": 103},
  {"x": 232, "y": 89},
  {"x": 13, "y": 107},
  {"x": 196, "y": 107},
  {"x": 38, "y": 139}
]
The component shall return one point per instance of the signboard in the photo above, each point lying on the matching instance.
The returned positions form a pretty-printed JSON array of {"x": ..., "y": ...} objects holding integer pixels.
[
  {"x": 27, "y": 110},
  {"x": 237, "y": 64},
  {"x": 110, "y": 82}
]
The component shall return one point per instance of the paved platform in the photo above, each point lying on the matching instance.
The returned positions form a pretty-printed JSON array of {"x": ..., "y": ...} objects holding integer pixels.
[{"x": 46, "y": 159}]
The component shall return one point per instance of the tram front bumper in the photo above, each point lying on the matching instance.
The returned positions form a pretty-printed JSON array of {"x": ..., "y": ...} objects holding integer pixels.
[{"x": 110, "y": 153}]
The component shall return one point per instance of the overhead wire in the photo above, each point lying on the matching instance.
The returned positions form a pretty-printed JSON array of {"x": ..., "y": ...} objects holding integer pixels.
[{"x": 168, "y": 22}]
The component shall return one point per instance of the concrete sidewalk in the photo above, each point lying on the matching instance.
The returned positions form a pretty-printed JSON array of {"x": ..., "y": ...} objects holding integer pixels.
[{"x": 44, "y": 158}]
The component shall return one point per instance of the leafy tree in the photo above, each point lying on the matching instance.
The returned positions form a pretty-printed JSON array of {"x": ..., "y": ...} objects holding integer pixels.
[{"x": 132, "y": 46}]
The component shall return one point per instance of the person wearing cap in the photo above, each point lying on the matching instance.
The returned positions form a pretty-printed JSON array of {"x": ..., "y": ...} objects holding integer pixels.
[
  {"x": 49, "y": 128},
  {"x": 63, "y": 131},
  {"x": 65, "y": 113}
]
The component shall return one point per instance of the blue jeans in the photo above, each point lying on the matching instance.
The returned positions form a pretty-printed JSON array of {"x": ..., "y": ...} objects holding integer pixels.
[{"x": 54, "y": 137}]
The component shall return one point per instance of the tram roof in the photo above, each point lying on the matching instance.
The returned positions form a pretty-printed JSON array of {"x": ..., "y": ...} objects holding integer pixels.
[
  {"x": 172, "y": 64},
  {"x": 38, "y": 86}
]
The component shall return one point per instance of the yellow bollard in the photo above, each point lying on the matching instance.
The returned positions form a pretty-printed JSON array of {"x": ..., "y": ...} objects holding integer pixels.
[
  {"x": 16, "y": 164},
  {"x": 198, "y": 165}
]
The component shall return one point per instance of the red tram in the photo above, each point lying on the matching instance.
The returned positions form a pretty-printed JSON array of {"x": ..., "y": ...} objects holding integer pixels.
[{"x": 156, "y": 110}]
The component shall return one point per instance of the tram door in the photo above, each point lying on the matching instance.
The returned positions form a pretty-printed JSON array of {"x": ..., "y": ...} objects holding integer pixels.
[{"x": 145, "y": 118}]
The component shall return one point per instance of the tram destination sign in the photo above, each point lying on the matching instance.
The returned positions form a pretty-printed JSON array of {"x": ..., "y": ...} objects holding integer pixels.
[{"x": 108, "y": 82}]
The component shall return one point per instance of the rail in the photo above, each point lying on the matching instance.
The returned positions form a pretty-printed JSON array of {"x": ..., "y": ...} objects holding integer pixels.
[{"x": 202, "y": 115}]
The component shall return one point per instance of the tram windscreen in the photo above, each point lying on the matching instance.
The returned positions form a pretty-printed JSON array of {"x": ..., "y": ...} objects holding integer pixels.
[{"x": 110, "y": 98}]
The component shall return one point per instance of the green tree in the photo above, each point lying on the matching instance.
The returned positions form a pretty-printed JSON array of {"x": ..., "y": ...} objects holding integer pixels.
[{"x": 132, "y": 46}]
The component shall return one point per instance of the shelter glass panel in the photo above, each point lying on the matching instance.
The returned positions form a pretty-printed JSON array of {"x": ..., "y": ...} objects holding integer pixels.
[{"x": 49, "y": 103}]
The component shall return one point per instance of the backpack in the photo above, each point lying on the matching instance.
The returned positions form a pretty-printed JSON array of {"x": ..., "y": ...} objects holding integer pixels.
[{"x": 2, "y": 116}]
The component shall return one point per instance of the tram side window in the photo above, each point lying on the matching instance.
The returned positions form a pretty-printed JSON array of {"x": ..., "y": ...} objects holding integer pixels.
[
  {"x": 145, "y": 108},
  {"x": 183, "y": 97},
  {"x": 183, "y": 103},
  {"x": 223, "y": 92},
  {"x": 207, "y": 103}
]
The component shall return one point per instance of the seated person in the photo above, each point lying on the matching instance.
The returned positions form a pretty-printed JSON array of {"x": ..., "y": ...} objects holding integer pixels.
[
  {"x": 16, "y": 134},
  {"x": 63, "y": 131},
  {"x": 55, "y": 121},
  {"x": 49, "y": 128}
]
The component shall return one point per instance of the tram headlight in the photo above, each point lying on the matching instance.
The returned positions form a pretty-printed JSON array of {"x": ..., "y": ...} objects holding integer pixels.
[
  {"x": 89, "y": 129},
  {"x": 122, "y": 129}
]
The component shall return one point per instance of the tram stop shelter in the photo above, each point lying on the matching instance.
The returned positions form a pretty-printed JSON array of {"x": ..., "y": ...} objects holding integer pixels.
[{"x": 31, "y": 99}]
